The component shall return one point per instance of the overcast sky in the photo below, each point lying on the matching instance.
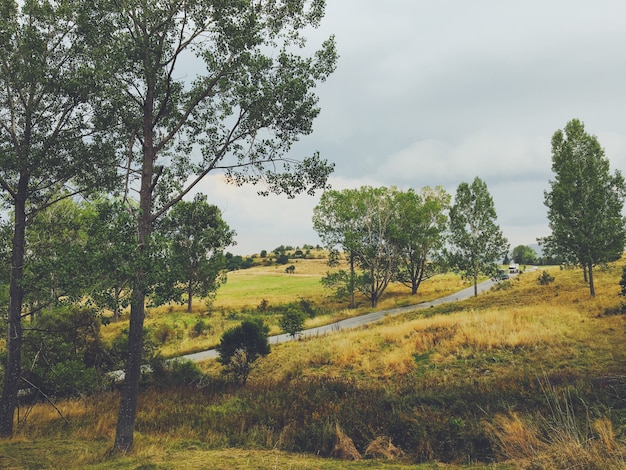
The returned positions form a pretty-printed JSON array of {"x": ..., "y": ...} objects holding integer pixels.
[{"x": 437, "y": 92}]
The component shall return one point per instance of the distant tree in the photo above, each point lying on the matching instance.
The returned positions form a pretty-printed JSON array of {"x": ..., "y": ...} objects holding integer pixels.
[
  {"x": 110, "y": 252},
  {"x": 360, "y": 222},
  {"x": 263, "y": 253},
  {"x": 419, "y": 233},
  {"x": 195, "y": 238},
  {"x": 523, "y": 254},
  {"x": 292, "y": 322},
  {"x": 477, "y": 243},
  {"x": 282, "y": 258},
  {"x": 241, "y": 346},
  {"x": 584, "y": 203},
  {"x": 336, "y": 219}
]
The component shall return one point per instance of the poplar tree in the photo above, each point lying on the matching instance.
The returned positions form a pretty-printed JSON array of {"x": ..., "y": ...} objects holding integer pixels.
[
  {"x": 200, "y": 87},
  {"x": 476, "y": 240},
  {"x": 584, "y": 203}
]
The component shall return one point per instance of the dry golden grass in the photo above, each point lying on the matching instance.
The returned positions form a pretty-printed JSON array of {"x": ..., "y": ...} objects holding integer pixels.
[{"x": 485, "y": 346}]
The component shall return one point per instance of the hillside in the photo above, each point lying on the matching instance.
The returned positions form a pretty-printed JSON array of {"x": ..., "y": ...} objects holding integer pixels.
[{"x": 528, "y": 375}]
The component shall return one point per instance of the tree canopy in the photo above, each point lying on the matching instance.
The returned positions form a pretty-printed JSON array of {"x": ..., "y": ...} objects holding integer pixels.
[
  {"x": 476, "y": 241},
  {"x": 584, "y": 203}
]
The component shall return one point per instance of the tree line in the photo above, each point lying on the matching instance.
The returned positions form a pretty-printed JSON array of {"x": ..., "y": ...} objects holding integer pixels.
[{"x": 390, "y": 235}]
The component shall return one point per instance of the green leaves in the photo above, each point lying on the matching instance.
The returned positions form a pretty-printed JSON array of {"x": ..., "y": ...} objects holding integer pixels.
[
  {"x": 476, "y": 240},
  {"x": 585, "y": 202}
]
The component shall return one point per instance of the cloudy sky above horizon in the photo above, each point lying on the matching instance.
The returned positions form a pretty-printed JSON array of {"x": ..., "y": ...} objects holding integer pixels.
[{"x": 437, "y": 92}]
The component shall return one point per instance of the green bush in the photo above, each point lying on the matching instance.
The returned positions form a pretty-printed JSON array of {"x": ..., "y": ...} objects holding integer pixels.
[
  {"x": 241, "y": 346},
  {"x": 545, "y": 278}
]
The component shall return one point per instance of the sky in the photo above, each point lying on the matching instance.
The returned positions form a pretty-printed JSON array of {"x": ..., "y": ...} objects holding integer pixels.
[{"x": 437, "y": 92}]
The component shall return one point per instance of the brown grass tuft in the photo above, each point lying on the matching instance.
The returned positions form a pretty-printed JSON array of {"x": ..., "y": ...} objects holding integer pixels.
[
  {"x": 382, "y": 448},
  {"x": 344, "y": 448}
]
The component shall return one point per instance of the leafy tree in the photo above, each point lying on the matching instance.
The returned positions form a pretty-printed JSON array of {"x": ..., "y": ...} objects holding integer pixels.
[
  {"x": 50, "y": 147},
  {"x": 585, "y": 202},
  {"x": 358, "y": 222},
  {"x": 476, "y": 240},
  {"x": 523, "y": 254},
  {"x": 111, "y": 253},
  {"x": 241, "y": 346},
  {"x": 418, "y": 232},
  {"x": 250, "y": 99},
  {"x": 292, "y": 322},
  {"x": 196, "y": 236}
]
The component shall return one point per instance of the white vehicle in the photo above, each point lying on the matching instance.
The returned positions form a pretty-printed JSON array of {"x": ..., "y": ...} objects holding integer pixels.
[{"x": 513, "y": 268}]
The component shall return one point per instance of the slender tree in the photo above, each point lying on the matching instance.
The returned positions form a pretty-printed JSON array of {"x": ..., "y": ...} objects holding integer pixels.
[
  {"x": 476, "y": 240},
  {"x": 49, "y": 148},
  {"x": 584, "y": 203},
  {"x": 200, "y": 87}
]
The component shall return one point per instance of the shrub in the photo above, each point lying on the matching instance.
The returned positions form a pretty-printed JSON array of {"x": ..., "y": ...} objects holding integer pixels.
[
  {"x": 545, "y": 278},
  {"x": 241, "y": 346}
]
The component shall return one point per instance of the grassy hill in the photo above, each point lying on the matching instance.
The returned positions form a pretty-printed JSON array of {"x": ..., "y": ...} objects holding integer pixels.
[{"x": 525, "y": 376}]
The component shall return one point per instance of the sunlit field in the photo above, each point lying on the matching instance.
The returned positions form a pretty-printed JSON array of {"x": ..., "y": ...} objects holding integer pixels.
[{"x": 524, "y": 376}]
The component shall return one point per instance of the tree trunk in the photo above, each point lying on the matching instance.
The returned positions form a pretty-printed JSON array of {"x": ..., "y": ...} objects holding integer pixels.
[
  {"x": 592, "y": 288},
  {"x": 13, "y": 368},
  {"x": 352, "y": 302},
  {"x": 189, "y": 294},
  {"x": 128, "y": 401}
]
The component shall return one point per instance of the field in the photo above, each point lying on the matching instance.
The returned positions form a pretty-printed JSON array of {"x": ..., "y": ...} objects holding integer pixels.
[{"x": 525, "y": 376}]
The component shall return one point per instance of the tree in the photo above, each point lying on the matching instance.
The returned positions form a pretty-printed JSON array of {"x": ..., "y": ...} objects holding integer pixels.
[
  {"x": 585, "y": 202},
  {"x": 358, "y": 222},
  {"x": 419, "y": 233},
  {"x": 476, "y": 240},
  {"x": 110, "y": 253},
  {"x": 292, "y": 322},
  {"x": 523, "y": 254},
  {"x": 247, "y": 99},
  {"x": 241, "y": 346},
  {"x": 196, "y": 236},
  {"x": 49, "y": 146}
]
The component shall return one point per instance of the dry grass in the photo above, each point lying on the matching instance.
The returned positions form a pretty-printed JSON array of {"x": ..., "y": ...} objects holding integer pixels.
[{"x": 487, "y": 347}]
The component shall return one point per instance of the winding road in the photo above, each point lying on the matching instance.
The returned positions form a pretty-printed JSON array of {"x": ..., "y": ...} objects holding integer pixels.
[{"x": 354, "y": 321}]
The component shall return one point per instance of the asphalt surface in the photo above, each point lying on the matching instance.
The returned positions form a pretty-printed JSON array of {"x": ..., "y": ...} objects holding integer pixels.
[{"x": 354, "y": 322}]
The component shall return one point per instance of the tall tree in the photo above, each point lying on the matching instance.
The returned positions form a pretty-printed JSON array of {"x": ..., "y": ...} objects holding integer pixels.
[
  {"x": 49, "y": 148},
  {"x": 419, "y": 233},
  {"x": 196, "y": 236},
  {"x": 476, "y": 240},
  {"x": 204, "y": 86},
  {"x": 585, "y": 202}
]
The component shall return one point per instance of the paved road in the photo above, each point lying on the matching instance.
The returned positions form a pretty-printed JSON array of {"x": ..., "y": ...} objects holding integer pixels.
[{"x": 355, "y": 321}]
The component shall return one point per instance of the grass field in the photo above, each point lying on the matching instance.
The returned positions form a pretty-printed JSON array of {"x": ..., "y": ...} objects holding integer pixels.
[{"x": 525, "y": 376}]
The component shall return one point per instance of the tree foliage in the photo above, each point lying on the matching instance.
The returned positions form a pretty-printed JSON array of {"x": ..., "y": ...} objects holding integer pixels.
[
  {"x": 238, "y": 110},
  {"x": 195, "y": 236},
  {"x": 241, "y": 346},
  {"x": 523, "y": 254},
  {"x": 584, "y": 203},
  {"x": 419, "y": 233},
  {"x": 359, "y": 222},
  {"x": 476, "y": 241}
]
